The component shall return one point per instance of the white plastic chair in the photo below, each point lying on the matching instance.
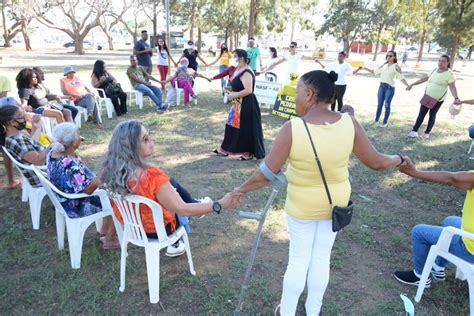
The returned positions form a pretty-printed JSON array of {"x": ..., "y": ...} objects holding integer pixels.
[
  {"x": 470, "y": 150},
  {"x": 137, "y": 96},
  {"x": 129, "y": 207},
  {"x": 76, "y": 227},
  {"x": 47, "y": 125},
  {"x": 82, "y": 112},
  {"x": 179, "y": 91},
  {"x": 465, "y": 270},
  {"x": 101, "y": 99},
  {"x": 34, "y": 196}
]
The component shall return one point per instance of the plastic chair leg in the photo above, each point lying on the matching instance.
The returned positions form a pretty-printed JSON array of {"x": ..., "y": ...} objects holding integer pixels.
[
  {"x": 188, "y": 253},
  {"x": 460, "y": 275},
  {"x": 98, "y": 224},
  {"x": 426, "y": 272},
  {"x": 35, "y": 200},
  {"x": 25, "y": 187},
  {"x": 60, "y": 228},
  {"x": 471, "y": 295},
  {"x": 123, "y": 265},
  {"x": 152, "y": 255},
  {"x": 75, "y": 237}
]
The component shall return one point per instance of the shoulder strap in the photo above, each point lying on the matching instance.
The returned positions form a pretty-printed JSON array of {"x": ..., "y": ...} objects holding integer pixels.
[{"x": 318, "y": 163}]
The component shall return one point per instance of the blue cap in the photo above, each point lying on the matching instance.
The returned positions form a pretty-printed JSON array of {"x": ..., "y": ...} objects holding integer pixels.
[{"x": 68, "y": 69}]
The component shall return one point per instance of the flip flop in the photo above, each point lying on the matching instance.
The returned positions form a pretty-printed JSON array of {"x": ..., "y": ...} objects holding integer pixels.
[
  {"x": 245, "y": 158},
  {"x": 110, "y": 245},
  {"x": 217, "y": 152},
  {"x": 16, "y": 184}
]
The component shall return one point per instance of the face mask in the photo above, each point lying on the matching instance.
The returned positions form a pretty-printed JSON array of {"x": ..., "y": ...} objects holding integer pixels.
[
  {"x": 190, "y": 46},
  {"x": 184, "y": 64},
  {"x": 235, "y": 61},
  {"x": 21, "y": 126}
]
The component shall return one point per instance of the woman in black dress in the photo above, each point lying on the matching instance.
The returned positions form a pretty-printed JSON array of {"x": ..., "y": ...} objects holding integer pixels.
[
  {"x": 101, "y": 78},
  {"x": 243, "y": 131}
]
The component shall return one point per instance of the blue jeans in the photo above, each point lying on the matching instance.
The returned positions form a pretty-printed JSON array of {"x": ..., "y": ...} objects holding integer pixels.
[
  {"x": 154, "y": 93},
  {"x": 471, "y": 131},
  {"x": 385, "y": 94},
  {"x": 223, "y": 80},
  {"x": 424, "y": 236}
]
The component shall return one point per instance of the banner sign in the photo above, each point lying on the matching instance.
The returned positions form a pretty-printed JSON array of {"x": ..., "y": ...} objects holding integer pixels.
[
  {"x": 285, "y": 103},
  {"x": 266, "y": 91}
]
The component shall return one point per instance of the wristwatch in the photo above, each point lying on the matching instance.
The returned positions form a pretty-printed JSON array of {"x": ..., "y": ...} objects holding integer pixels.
[{"x": 216, "y": 207}]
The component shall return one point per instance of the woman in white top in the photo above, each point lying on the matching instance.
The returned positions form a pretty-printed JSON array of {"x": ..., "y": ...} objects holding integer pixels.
[
  {"x": 342, "y": 69},
  {"x": 273, "y": 60},
  {"x": 388, "y": 72},
  {"x": 164, "y": 58}
]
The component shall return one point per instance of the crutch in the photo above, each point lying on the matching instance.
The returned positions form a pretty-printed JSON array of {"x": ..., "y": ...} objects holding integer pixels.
[{"x": 260, "y": 217}]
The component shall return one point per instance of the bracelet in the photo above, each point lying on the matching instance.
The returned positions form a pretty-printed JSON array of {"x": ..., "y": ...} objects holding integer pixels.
[{"x": 402, "y": 159}]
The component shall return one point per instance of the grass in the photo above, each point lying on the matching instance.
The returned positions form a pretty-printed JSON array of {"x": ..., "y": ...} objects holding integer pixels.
[{"x": 37, "y": 277}]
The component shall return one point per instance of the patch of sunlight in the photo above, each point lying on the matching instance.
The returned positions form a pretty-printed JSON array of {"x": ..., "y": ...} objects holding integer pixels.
[
  {"x": 96, "y": 151},
  {"x": 439, "y": 141},
  {"x": 274, "y": 226}
]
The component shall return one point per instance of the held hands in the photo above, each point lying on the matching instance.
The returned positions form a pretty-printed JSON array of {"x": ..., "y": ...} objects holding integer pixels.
[
  {"x": 457, "y": 101},
  {"x": 409, "y": 87},
  {"x": 36, "y": 121},
  {"x": 231, "y": 200},
  {"x": 407, "y": 167},
  {"x": 231, "y": 95}
]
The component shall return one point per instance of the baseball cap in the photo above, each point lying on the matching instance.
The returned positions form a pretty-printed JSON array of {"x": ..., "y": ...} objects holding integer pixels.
[{"x": 68, "y": 69}]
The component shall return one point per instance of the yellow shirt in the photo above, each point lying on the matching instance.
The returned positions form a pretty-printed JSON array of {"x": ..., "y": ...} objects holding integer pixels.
[
  {"x": 438, "y": 83},
  {"x": 388, "y": 74},
  {"x": 467, "y": 222},
  {"x": 225, "y": 59},
  {"x": 306, "y": 197}
]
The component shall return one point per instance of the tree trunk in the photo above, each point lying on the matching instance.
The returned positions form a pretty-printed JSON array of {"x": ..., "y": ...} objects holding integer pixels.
[
  {"x": 107, "y": 34},
  {"x": 346, "y": 46},
  {"x": 5, "y": 28},
  {"x": 199, "y": 40},
  {"x": 79, "y": 44},
  {"x": 154, "y": 24},
  {"x": 468, "y": 57},
  {"x": 377, "y": 42},
  {"x": 24, "y": 32},
  {"x": 292, "y": 30},
  {"x": 192, "y": 21},
  {"x": 253, "y": 9},
  {"x": 422, "y": 43},
  {"x": 454, "y": 49},
  {"x": 231, "y": 40}
]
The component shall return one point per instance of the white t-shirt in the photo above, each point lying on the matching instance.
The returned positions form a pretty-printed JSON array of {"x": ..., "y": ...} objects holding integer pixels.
[
  {"x": 342, "y": 71},
  {"x": 293, "y": 62},
  {"x": 162, "y": 57}
]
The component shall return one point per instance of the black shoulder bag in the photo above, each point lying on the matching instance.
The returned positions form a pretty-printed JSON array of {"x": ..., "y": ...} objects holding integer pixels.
[{"x": 341, "y": 216}]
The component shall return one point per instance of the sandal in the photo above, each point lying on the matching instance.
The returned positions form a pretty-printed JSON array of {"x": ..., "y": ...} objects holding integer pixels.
[
  {"x": 217, "y": 152},
  {"x": 246, "y": 158},
  {"x": 15, "y": 185},
  {"x": 276, "y": 309},
  {"x": 109, "y": 245}
]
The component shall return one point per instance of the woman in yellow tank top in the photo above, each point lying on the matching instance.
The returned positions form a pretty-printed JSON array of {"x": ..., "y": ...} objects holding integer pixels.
[{"x": 336, "y": 136}]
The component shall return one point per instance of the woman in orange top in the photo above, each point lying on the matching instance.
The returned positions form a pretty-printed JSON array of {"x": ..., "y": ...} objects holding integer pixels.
[{"x": 126, "y": 171}]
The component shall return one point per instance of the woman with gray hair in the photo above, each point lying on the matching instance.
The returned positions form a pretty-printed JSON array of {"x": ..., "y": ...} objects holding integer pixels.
[
  {"x": 69, "y": 174},
  {"x": 126, "y": 171}
]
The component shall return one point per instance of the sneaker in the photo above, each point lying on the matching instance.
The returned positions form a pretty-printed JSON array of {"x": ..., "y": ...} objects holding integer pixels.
[
  {"x": 438, "y": 275},
  {"x": 165, "y": 106},
  {"x": 410, "y": 278},
  {"x": 425, "y": 136},
  {"x": 176, "y": 249},
  {"x": 195, "y": 97},
  {"x": 413, "y": 134},
  {"x": 384, "y": 125},
  {"x": 160, "y": 109}
]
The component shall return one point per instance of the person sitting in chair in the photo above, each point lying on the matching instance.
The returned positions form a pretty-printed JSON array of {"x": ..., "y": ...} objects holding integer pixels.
[{"x": 424, "y": 236}]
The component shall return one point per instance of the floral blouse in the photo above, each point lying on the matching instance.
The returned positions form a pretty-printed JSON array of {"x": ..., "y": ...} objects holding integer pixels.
[{"x": 70, "y": 175}]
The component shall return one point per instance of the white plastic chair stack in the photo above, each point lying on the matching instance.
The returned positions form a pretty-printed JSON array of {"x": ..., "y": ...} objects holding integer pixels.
[
  {"x": 129, "y": 207},
  {"x": 76, "y": 227},
  {"x": 137, "y": 98},
  {"x": 34, "y": 196},
  {"x": 101, "y": 99},
  {"x": 47, "y": 125},
  {"x": 465, "y": 270},
  {"x": 179, "y": 91}
]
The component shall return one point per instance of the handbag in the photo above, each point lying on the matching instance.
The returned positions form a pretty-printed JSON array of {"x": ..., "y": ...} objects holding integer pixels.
[
  {"x": 113, "y": 89},
  {"x": 430, "y": 102},
  {"x": 341, "y": 216}
]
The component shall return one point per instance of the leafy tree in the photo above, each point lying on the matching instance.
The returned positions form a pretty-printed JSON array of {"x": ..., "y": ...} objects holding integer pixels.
[
  {"x": 20, "y": 14},
  {"x": 111, "y": 18},
  {"x": 347, "y": 21},
  {"x": 74, "y": 17},
  {"x": 457, "y": 20}
]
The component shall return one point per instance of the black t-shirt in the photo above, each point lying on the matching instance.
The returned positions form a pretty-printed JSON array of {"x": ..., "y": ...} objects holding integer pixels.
[
  {"x": 192, "y": 58},
  {"x": 33, "y": 100}
]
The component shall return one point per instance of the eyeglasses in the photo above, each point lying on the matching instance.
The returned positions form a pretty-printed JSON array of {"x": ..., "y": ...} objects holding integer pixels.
[
  {"x": 390, "y": 56},
  {"x": 20, "y": 119},
  {"x": 292, "y": 46}
]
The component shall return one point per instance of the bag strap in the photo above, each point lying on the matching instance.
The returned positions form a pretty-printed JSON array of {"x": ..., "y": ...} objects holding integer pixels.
[{"x": 318, "y": 162}]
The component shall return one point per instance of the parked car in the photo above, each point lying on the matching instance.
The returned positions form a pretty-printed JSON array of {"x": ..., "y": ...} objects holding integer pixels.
[
  {"x": 86, "y": 44},
  {"x": 412, "y": 49}
]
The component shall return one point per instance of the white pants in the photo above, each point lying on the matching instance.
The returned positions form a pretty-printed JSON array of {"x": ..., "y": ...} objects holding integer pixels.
[{"x": 310, "y": 250}]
